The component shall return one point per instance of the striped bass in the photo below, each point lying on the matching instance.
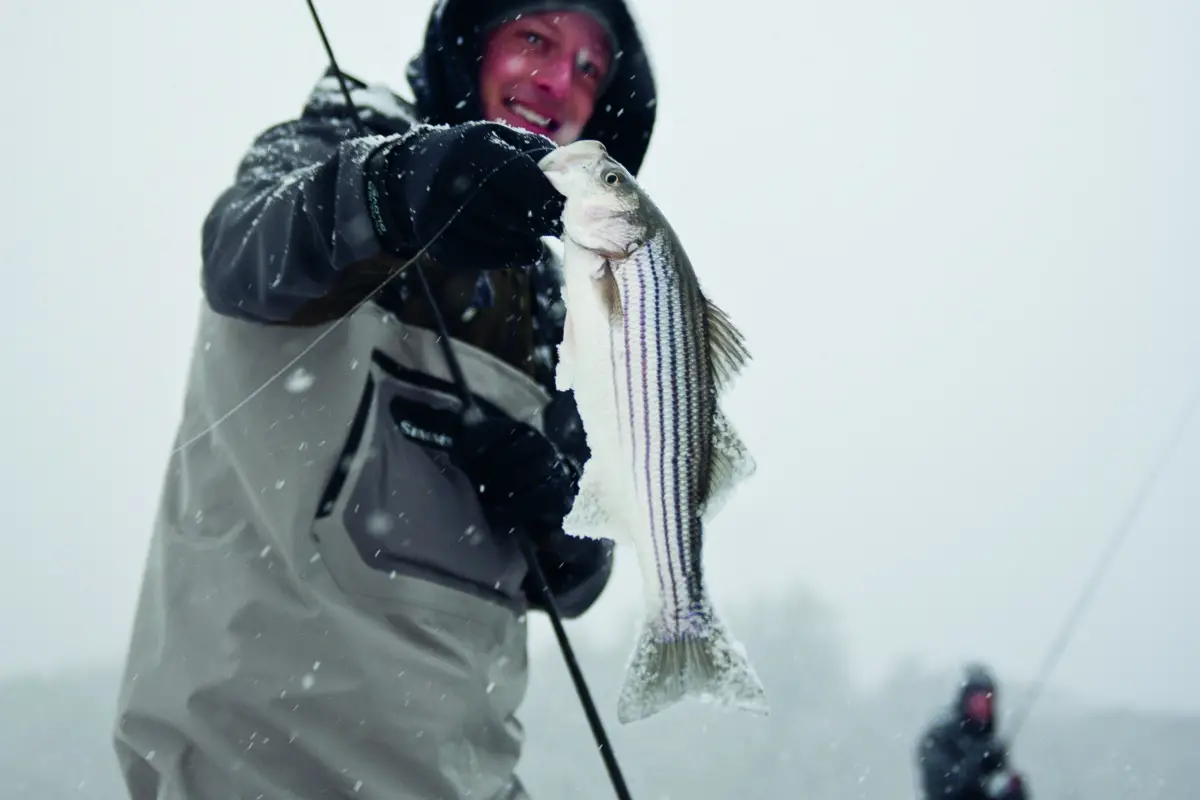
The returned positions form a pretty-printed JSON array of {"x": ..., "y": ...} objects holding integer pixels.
[{"x": 646, "y": 356}]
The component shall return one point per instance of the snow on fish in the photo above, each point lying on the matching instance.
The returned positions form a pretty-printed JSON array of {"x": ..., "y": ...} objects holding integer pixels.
[{"x": 647, "y": 355}]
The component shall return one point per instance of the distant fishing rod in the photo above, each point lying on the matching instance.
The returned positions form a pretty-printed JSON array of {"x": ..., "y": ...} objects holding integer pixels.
[
  {"x": 1119, "y": 534},
  {"x": 471, "y": 410}
]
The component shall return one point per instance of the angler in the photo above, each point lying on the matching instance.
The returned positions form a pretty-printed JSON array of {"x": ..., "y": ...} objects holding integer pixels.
[
  {"x": 961, "y": 757},
  {"x": 334, "y": 602}
]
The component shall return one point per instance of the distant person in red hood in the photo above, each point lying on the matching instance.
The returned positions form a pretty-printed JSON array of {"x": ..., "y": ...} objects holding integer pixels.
[{"x": 960, "y": 757}]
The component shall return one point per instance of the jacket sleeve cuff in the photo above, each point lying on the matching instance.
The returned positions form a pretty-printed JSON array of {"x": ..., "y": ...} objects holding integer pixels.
[
  {"x": 577, "y": 571},
  {"x": 386, "y": 173}
]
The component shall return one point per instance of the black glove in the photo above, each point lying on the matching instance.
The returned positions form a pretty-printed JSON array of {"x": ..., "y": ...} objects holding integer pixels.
[
  {"x": 982, "y": 760},
  {"x": 486, "y": 172},
  {"x": 994, "y": 757},
  {"x": 521, "y": 477},
  {"x": 564, "y": 427},
  {"x": 576, "y": 569}
]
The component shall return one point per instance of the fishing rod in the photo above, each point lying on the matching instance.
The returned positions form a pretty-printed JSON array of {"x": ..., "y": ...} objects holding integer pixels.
[
  {"x": 472, "y": 411},
  {"x": 1119, "y": 534},
  {"x": 460, "y": 379}
]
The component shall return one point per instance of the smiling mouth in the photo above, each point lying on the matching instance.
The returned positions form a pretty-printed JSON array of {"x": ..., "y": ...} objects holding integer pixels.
[{"x": 529, "y": 115}]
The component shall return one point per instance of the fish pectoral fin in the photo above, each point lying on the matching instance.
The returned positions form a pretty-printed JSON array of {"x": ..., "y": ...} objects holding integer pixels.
[
  {"x": 732, "y": 463},
  {"x": 589, "y": 516},
  {"x": 610, "y": 293},
  {"x": 727, "y": 353}
]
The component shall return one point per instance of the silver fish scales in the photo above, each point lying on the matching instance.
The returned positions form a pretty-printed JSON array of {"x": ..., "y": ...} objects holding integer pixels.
[{"x": 646, "y": 355}]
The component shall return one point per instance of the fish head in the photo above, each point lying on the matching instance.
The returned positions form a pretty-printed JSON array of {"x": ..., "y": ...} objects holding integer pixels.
[{"x": 605, "y": 210}]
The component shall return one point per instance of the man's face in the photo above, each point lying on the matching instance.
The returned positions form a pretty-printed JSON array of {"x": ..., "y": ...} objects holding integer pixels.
[
  {"x": 979, "y": 706},
  {"x": 541, "y": 72}
]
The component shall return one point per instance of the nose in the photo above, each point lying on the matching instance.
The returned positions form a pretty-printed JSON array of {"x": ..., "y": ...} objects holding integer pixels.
[{"x": 554, "y": 75}]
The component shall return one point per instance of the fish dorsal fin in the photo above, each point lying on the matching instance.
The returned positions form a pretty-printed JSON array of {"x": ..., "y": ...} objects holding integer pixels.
[
  {"x": 730, "y": 464},
  {"x": 727, "y": 353},
  {"x": 726, "y": 347}
]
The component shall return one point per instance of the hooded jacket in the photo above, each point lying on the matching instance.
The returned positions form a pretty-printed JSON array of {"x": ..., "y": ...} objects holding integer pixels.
[
  {"x": 949, "y": 744},
  {"x": 324, "y": 611}
]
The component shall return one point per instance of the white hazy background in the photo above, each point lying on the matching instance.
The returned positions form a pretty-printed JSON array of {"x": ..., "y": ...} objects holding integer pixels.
[{"x": 961, "y": 238}]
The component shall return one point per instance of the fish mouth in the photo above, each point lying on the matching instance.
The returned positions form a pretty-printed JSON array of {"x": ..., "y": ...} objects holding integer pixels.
[{"x": 582, "y": 153}]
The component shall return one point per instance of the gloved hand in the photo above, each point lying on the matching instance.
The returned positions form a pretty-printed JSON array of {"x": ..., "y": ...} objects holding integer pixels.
[
  {"x": 576, "y": 569},
  {"x": 486, "y": 172},
  {"x": 981, "y": 760},
  {"x": 1011, "y": 789},
  {"x": 521, "y": 477},
  {"x": 564, "y": 427},
  {"x": 994, "y": 757}
]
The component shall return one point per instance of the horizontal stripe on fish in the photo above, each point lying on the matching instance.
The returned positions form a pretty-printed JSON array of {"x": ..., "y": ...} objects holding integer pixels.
[{"x": 667, "y": 390}]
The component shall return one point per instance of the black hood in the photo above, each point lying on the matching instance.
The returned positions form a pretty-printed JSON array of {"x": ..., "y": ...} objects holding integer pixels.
[{"x": 444, "y": 75}]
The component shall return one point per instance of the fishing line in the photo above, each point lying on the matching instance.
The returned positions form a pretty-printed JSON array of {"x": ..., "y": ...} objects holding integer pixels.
[{"x": 1119, "y": 534}]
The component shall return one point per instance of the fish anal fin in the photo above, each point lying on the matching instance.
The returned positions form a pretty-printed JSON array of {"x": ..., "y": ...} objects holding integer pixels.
[
  {"x": 726, "y": 346},
  {"x": 730, "y": 464}
]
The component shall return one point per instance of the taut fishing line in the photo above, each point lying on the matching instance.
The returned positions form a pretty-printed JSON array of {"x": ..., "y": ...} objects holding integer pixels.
[{"x": 1120, "y": 533}]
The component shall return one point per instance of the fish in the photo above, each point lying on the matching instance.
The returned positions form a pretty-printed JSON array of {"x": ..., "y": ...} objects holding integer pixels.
[{"x": 647, "y": 355}]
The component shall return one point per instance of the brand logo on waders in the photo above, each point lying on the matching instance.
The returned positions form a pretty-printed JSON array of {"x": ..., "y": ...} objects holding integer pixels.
[{"x": 422, "y": 435}]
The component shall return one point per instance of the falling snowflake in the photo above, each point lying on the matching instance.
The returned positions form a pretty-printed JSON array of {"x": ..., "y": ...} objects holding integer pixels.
[
  {"x": 299, "y": 381},
  {"x": 380, "y": 523}
]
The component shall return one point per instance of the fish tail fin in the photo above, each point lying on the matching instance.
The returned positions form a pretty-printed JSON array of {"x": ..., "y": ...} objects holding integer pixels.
[{"x": 703, "y": 662}]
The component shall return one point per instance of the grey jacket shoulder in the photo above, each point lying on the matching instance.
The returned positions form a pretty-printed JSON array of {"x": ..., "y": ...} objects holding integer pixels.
[{"x": 293, "y": 231}]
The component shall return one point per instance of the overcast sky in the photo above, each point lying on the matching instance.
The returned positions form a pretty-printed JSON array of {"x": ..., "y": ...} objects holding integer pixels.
[{"x": 961, "y": 239}]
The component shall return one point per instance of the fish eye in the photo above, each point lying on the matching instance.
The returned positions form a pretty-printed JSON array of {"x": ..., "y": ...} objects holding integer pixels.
[{"x": 612, "y": 178}]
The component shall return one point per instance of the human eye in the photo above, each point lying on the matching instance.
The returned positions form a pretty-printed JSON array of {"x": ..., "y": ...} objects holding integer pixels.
[{"x": 590, "y": 69}]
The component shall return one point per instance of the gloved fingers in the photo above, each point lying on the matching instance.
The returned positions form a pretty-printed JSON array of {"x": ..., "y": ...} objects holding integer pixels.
[
  {"x": 522, "y": 468},
  {"x": 495, "y": 224},
  {"x": 475, "y": 442},
  {"x": 547, "y": 498},
  {"x": 518, "y": 199},
  {"x": 507, "y": 212},
  {"x": 533, "y": 144},
  {"x": 472, "y": 254},
  {"x": 527, "y": 496},
  {"x": 478, "y": 242}
]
